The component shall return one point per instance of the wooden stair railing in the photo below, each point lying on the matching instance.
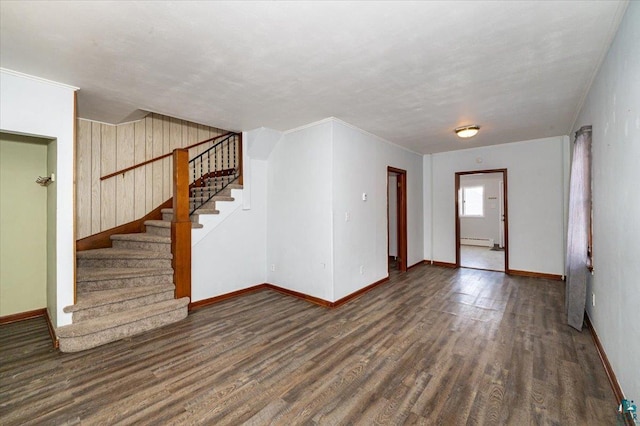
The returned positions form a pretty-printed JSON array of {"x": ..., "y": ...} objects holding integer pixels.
[
  {"x": 214, "y": 169},
  {"x": 169, "y": 154},
  {"x": 103, "y": 238},
  {"x": 181, "y": 225},
  {"x": 185, "y": 178}
]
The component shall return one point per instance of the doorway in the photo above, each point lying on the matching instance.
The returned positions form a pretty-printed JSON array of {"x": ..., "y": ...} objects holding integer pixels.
[
  {"x": 396, "y": 219},
  {"x": 27, "y": 213},
  {"x": 482, "y": 220}
]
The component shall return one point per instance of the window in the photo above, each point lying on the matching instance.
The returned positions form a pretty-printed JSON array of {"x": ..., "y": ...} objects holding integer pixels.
[{"x": 472, "y": 201}]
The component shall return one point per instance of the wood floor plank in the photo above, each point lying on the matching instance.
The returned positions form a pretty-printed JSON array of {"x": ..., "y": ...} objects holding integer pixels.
[{"x": 431, "y": 346}]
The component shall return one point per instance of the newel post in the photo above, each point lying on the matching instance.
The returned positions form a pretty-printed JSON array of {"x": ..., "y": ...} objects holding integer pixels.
[{"x": 181, "y": 225}]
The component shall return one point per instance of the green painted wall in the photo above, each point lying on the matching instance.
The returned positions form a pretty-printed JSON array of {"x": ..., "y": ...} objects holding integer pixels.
[{"x": 23, "y": 224}]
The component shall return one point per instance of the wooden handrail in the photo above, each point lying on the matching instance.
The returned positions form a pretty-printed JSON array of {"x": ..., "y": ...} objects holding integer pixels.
[{"x": 135, "y": 166}]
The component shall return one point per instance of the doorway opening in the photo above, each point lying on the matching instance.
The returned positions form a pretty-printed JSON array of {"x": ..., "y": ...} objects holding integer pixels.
[
  {"x": 396, "y": 219},
  {"x": 482, "y": 220},
  {"x": 28, "y": 222}
]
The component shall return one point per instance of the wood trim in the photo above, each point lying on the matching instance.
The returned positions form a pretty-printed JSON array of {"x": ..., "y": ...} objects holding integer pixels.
[
  {"x": 75, "y": 203},
  {"x": 402, "y": 215},
  {"x": 52, "y": 330},
  {"x": 308, "y": 298},
  {"x": 103, "y": 239},
  {"x": 611, "y": 375},
  {"x": 457, "y": 222},
  {"x": 358, "y": 293},
  {"x": 36, "y": 313},
  {"x": 181, "y": 225},
  {"x": 422, "y": 262},
  {"x": 212, "y": 300},
  {"x": 315, "y": 300},
  {"x": 21, "y": 316},
  {"x": 240, "y": 160},
  {"x": 505, "y": 207},
  {"x": 444, "y": 264},
  {"x": 160, "y": 157},
  {"x": 535, "y": 275},
  {"x": 482, "y": 269}
]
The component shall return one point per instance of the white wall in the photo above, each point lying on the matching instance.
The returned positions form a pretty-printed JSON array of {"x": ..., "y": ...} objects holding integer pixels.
[
  {"x": 360, "y": 163},
  {"x": 232, "y": 256},
  {"x": 316, "y": 176},
  {"x": 487, "y": 226},
  {"x": 612, "y": 107},
  {"x": 393, "y": 215},
  {"x": 299, "y": 211},
  {"x": 41, "y": 108},
  {"x": 536, "y": 197},
  {"x": 427, "y": 206}
]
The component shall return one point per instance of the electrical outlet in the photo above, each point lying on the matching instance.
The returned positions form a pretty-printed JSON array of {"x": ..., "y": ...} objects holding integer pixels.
[
  {"x": 361, "y": 269},
  {"x": 273, "y": 267},
  {"x": 593, "y": 299},
  {"x": 347, "y": 216}
]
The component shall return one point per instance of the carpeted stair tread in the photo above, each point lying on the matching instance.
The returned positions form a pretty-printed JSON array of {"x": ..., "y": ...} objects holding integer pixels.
[
  {"x": 207, "y": 211},
  {"x": 224, "y": 191},
  {"x": 120, "y": 253},
  {"x": 158, "y": 223},
  {"x": 166, "y": 224},
  {"x": 142, "y": 237},
  {"x": 214, "y": 198},
  {"x": 106, "y": 297},
  {"x": 98, "y": 274},
  {"x": 117, "y": 319}
]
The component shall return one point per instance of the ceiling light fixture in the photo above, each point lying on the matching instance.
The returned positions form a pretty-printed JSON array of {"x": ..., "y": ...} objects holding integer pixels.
[{"x": 467, "y": 131}]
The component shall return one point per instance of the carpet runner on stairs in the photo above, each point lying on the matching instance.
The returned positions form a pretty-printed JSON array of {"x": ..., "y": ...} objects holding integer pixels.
[{"x": 128, "y": 289}]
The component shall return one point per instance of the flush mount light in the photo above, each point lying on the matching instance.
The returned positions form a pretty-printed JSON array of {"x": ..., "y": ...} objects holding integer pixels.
[{"x": 467, "y": 131}]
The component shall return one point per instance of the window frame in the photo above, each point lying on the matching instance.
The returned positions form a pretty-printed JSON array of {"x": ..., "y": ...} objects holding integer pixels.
[{"x": 462, "y": 201}]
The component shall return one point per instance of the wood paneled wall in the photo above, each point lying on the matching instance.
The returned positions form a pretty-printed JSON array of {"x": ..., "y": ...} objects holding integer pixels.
[{"x": 104, "y": 148}]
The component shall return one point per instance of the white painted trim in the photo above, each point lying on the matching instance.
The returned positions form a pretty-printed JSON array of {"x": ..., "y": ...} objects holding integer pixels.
[
  {"x": 39, "y": 79},
  {"x": 306, "y": 126},
  {"x": 179, "y": 117},
  {"x": 375, "y": 136},
  {"x": 431, "y": 204},
  {"x": 211, "y": 221},
  {"x": 337, "y": 120},
  {"x": 496, "y": 147},
  {"x": 246, "y": 174},
  {"x": 112, "y": 124}
]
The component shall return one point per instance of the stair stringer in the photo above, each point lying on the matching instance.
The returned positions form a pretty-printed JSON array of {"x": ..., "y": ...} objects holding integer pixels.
[
  {"x": 232, "y": 254},
  {"x": 210, "y": 221}
]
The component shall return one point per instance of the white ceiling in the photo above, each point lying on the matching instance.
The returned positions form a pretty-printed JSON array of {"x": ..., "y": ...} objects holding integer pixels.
[{"x": 406, "y": 71}]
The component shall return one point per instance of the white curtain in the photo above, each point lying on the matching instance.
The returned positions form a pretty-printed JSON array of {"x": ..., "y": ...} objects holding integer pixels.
[{"x": 578, "y": 229}]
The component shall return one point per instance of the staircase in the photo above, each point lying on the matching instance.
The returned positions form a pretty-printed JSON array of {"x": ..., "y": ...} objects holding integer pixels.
[{"x": 128, "y": 289}]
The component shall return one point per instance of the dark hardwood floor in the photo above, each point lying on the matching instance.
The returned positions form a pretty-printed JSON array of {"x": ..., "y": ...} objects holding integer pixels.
[{"x": 432, "y": 346}]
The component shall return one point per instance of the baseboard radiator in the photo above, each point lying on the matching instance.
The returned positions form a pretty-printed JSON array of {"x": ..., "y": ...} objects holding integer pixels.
[{"x": 482, "y": 242}]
